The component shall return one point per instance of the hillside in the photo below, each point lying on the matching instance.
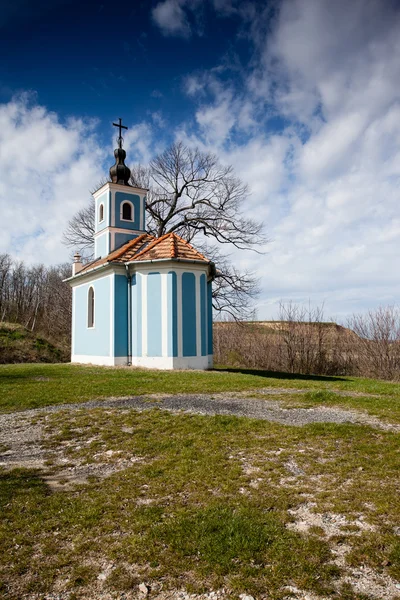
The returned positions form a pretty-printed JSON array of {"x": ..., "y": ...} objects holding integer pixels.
[
  {"x": 19, "y": 345},
  {"x": 330, "y": 327},
  {"x": 290, "y": 346}
]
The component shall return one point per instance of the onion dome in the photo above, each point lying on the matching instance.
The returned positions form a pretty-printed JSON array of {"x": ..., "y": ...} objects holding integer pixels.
[{"x": 120, "y": 173}]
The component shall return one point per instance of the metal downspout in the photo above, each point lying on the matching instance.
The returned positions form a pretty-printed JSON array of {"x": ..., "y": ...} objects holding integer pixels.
[{"x": 129, "y": 278}]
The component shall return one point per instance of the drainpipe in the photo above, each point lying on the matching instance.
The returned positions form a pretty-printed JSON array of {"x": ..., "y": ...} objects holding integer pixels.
[{"x": 129, "y": 278}]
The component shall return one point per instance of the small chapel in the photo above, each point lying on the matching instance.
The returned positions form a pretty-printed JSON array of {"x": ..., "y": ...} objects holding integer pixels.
[{"x": 143, "y": 301}]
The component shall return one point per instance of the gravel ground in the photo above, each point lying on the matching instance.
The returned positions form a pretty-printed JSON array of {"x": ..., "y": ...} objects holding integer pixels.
[
  {"x": 200, "y": 404},
  {"x": 21, "y": 437},
  {"x": 228, "y": 404}
]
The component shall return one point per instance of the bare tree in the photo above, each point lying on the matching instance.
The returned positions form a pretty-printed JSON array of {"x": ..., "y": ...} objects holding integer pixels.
[
  {"x": 300, "y": 342},
  {"x": 378, "y": 348},
  {"x": 36, "y": 297},
  {"x": 5, "y": 269},
  {"x": 79, "y": 234},
  {"x": 233, "y": 290},
  {"x": 192, "y": 194},
  {"x": 304, "y": 337},
  {"x": 80, "y": 231}
]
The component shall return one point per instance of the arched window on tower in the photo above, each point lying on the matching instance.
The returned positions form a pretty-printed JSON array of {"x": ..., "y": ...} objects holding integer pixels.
[
  {"x": 90, "y": 319},
  {"x": 101, "y": 213},
  {"x": 126, "y": 211}
]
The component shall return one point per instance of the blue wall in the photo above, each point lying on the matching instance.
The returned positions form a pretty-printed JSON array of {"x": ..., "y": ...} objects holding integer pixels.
[
  {"x": 121, "y": 315},
  {"x": 172, "y": 315},
  {"x": 209, "y": 318},
  {"x": 100, "y": 245},
  {"x": 137, "y": 315},
  {"x": 93, "y": 341},
  {"x": 135, "y": 200},
  {"x": 96, "y": 341},
  {"x": 122, "y": 238},
  {"x": 154, "y": 325},
  {"x": 189, "y": 314},
  {"x": 203, "y": 314}
]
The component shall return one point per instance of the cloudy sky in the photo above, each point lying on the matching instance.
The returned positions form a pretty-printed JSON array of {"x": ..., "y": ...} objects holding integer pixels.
[{"x": 302, "y": 97}]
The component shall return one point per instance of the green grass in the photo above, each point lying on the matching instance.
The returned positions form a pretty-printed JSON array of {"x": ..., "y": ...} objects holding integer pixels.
[
  {"x": 385, "y": 406},
  {"x": 207, "y": 506},
  {"x": 208, "y": 501},
  {"x": 25, "y": 386}
]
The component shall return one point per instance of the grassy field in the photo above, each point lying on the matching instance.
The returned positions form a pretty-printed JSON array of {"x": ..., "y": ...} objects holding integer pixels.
[
  {"x": 195, "y": 502},
  {"x": 25, "y": 386}
]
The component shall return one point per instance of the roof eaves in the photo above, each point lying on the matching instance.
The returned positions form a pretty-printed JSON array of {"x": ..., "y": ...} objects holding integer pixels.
[
  {"x": 152, "y": 260},
  {"x": 86, "y": 271}
]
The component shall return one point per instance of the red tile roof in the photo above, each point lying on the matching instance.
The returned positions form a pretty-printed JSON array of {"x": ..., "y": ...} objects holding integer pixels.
[
  {"x": 170, "y": 246},
  {"x": 146, "y": 247}
]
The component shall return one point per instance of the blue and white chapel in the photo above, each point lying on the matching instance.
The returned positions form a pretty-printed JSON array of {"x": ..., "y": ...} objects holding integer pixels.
[{"x": 143, "y": 301}]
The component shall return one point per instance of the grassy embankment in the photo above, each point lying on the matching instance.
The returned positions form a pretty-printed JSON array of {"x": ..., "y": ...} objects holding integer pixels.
[
  {"x": 20, "y": 345},
  {"x": 198, "y": 502}
]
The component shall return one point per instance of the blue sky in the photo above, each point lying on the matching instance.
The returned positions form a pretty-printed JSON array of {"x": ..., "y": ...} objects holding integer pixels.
[
  {"x": 98, "y": 60},
  {"x": 300, "y": 96}
]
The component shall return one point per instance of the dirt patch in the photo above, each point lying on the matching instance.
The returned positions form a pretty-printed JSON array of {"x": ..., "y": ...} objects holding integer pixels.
[
  {"x": 363, "y": 579},
  {"x": 332, "y": 524},
  {"x": 138, "y": 593},
  {"x": 24, "y": 437},
  {"x": 22, "y": 440}
]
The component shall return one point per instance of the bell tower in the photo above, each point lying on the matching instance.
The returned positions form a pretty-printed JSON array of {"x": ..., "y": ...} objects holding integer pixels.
[{"x": 120, "y": 207}]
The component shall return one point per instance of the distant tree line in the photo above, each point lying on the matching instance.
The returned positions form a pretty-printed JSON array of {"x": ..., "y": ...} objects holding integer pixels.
[
  {"x": 36, "y": 297},
  {"x": 301, "y": 341}
]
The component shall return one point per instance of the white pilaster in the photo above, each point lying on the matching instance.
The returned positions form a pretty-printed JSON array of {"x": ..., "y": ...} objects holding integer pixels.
[
  {"x": 112, "y": 195},
  {"x": 112, "y": 332},
  {"x": 179, "y": 311},
  {"x": 206, "y": 315},
  {"x": 73, "y": 321},
  {"x": 144, "y": 314},
  {"x": 164, "y": 314},
  {"x": 141, "y": 220}
]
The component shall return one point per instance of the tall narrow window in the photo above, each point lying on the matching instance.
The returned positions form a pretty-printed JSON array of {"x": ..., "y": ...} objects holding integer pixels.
[
  {"x": 127, "y": 211},
  {"x": 101, "y": 213},
  {"x": 91, "y": 307}
]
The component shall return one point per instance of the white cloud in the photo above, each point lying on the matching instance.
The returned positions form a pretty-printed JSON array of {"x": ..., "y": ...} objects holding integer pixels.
[
  {"x": 46, "y": 171},
  {"x": 171, "y": 18},
  {"x": 179, "y": 18},
  {"x": 193, "y": 86},
  {"x": 137, "y": 143},
  {"x": 216, "y": 121},
  {"x": 327, "y": 183},
  {"x": 158, "y": 119},
  {"x": 325, "y": 178}
]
